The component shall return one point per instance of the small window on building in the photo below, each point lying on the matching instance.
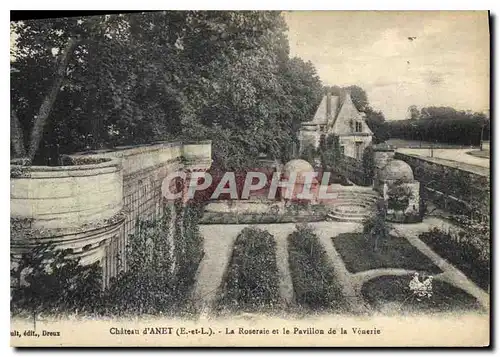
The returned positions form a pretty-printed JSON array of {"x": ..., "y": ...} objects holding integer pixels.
[
  {"x": 342, "y": 149},
  {"x": 359, "y": 127}
]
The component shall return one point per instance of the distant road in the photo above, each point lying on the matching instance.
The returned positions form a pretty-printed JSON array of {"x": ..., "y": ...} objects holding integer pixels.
[
  {"x": 403, "y": 143},
  {"x": 453, "y": 157},
  {"x": 448, "y": 154}
]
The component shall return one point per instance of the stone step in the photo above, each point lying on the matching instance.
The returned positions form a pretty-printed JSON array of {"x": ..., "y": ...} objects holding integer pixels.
[
  {"x": 356, "y": 195},
  {"x": 359, "y": 197},
  {"x": 348, "y": 210},
  {"x": 345, "y": 218},
  {"x": 350, "y": 214},
  {"x": 352, "y": 202},
  {"x": 370, "y": 193}
]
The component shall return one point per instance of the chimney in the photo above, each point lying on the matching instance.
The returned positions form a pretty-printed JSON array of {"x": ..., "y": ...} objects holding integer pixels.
[{"x": 328, "y": 104}]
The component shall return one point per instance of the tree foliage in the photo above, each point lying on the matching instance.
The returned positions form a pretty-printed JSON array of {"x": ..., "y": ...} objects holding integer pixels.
[
  {"x": 375, "y": 227},
  {"x": 368, "y": 165},
  {"x": 137, "y": 78}
]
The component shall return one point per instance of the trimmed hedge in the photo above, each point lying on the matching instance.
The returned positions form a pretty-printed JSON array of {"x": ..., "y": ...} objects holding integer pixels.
[
  {"x": 314, "y": 283},
  {"x": 465, "y": 251},
  {"x": 252, "y": 279}
]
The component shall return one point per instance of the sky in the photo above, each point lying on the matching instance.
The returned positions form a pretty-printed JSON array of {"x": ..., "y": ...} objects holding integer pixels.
[{"x": 446, "y": 63}]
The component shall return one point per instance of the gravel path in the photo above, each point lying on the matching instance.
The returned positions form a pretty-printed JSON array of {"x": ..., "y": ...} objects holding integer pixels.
[{"x": 219, "y": 241}]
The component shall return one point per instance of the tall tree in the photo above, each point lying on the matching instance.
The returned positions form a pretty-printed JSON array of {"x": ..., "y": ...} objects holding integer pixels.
[
  {"x": 413, "y": 112},
  {"x": 359, "y": 97}
]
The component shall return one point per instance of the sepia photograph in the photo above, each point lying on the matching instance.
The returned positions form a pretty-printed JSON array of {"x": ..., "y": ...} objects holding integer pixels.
[{"x": 250, "y": 178}]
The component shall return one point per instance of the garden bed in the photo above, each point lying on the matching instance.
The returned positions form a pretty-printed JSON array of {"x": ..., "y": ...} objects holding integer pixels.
[
  {"x": 314, "y": 283},
  {"x": 358, "y": 254},
  {"x": 467, "y": 253},
  {"x": 251, "y": 283},
  {"x": 392, "y": 294}
]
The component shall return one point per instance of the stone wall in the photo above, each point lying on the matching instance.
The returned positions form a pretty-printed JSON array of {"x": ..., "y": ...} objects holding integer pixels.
[
  {"x": 92, "y": 208},
  {"x": 353, "y": 169},
  {"x": 453, "y": 189}
]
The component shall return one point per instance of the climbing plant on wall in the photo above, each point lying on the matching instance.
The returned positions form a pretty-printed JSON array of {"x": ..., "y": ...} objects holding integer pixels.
[
  {"x": 368, "y": 165},
  {"x": 329, "y": 151}
]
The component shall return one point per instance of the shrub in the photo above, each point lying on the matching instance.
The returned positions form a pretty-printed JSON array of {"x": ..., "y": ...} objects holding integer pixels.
[
  {"x": 55, "y": 282},
  {"x": 465, "y": 250},
  {"x": 312, "y": 273},
  {"x": 252, "y": 278},
  {"x": 375, "y": 227},
  {"x": 399, "y": 196},
  {"x": 329, "y": 151}
]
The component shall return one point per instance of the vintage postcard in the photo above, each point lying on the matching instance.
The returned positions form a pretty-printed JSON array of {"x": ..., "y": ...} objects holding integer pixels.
[{"x": 250, "y": 178}]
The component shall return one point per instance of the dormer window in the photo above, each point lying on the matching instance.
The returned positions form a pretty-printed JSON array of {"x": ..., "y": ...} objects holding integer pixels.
[{"x": 359, "y": 127}]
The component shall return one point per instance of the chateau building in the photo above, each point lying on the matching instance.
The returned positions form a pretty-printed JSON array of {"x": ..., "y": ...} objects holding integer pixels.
[{"x": 338, "y": 115}]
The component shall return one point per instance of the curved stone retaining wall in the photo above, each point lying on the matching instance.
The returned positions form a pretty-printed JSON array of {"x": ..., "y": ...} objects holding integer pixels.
[
  {"x": 91, "y": 206},
  {"x": 67, "y": 196}
]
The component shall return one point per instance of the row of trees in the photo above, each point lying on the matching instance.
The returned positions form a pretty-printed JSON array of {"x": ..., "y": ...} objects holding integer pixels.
[
  {"x": 95, "y": 82},
  {"x": 441, "y": 124}
]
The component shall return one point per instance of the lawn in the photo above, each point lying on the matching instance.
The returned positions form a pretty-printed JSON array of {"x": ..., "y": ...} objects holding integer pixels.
[
  {"x": 392, "y": 293},
  {"x": 485, "y": 154},
  {"x": 358, "y": 254}
]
